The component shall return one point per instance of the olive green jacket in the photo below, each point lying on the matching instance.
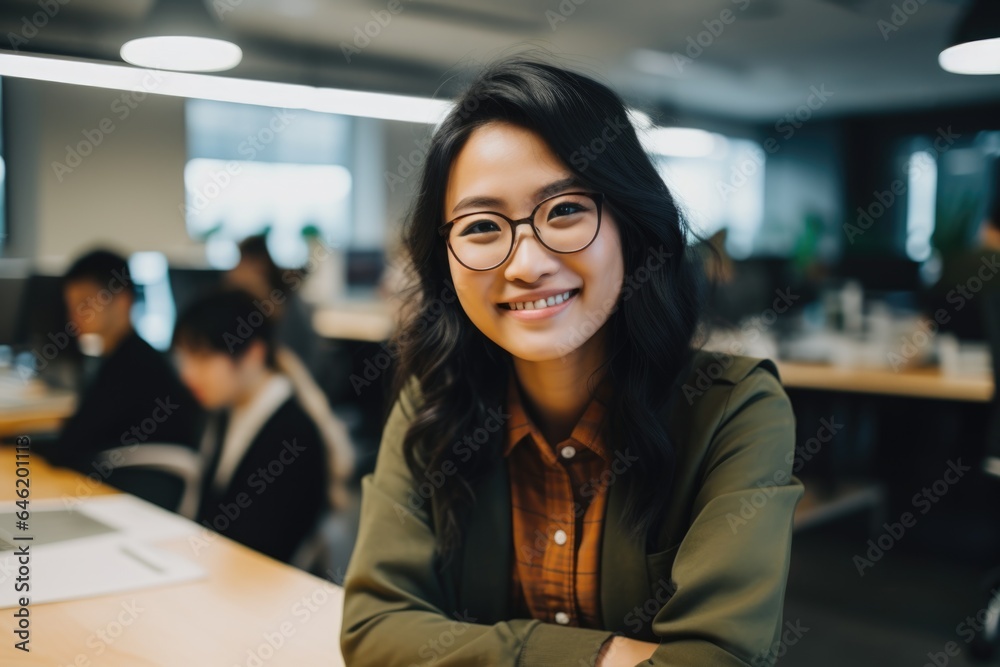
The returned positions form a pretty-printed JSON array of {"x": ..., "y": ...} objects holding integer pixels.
[{"x": 710, "y": 589}]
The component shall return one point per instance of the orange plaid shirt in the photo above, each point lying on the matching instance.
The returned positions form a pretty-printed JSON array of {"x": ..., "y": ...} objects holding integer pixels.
[{"x": 558, "y": 500}]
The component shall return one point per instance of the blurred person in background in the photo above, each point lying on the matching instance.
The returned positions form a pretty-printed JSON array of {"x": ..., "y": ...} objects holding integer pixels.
[
  {"x": 258, "y": 274},
  {"x": 989, "y": 240},
  {"x": 269, "y": 475},
  {"x": 130, "y": 394}
]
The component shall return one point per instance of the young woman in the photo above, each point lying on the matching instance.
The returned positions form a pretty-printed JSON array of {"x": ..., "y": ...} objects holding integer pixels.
[{"x": 563, "y": 480}]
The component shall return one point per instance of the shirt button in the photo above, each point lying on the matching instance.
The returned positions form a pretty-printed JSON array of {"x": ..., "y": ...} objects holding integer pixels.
[
  {"x": 568, "y": 452},
  {"x": 562, "y": 618},
  {"x": 560, "y": 537}
]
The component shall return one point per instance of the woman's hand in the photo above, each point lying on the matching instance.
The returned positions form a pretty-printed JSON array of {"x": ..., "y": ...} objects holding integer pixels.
[{"x": 624, "y": 652}]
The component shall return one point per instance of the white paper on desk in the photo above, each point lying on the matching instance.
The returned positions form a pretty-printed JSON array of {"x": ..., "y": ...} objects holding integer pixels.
[
  {"x": 93, "y": 566},
  {"x": 125, "y": 513},
  {"x": 133, "y": 516},
  {"x": 98, "y": 564}
]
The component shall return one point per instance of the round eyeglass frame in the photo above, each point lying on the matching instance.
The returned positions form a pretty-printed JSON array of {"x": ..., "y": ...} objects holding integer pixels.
[{"x": 597, "y": 197}]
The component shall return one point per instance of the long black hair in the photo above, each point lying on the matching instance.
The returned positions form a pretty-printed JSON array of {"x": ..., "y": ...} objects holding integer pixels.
[{"x": 462, "y": 374}]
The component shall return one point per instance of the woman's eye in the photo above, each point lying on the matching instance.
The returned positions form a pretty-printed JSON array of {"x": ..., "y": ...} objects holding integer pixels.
[
  {"x": 565, "y": 209},
  {"x": 480, "y": 227}
]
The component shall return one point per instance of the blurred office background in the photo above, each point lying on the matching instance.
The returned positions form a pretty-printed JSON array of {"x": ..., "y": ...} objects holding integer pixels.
[{"x": 845, "y": 176}]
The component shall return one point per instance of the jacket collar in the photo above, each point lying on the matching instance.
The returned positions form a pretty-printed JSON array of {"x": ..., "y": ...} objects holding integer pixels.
[{"x": 484, "y": 591}]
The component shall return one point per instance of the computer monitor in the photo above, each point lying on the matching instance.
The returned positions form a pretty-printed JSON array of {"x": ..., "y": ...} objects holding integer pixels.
[
  {"x": 11, "y": 291},
  {"x": 364, "y": 268},
  {"x": 189, "y": 284},
  {"x": 42, "y": 329}
]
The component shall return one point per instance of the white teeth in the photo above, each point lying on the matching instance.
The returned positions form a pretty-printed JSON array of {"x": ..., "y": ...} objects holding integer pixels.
[{"x": 541, "y": 303}]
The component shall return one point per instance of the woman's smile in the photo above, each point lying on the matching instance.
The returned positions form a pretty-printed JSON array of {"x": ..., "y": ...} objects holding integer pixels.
[{"x": 541, "y": 307}]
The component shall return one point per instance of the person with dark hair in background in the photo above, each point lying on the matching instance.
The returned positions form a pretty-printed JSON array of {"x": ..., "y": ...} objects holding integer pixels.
[
  {"x": 266, "y": 477},
  {"x": 258, "y": 274},
  {"x": 989, "y": 241},
  {"x": 131, "y": 395},
  {"x": 564, "y": 479}
]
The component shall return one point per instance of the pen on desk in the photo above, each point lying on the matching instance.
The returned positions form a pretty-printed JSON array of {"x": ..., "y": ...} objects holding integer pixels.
[{"x": 152, "y": 566}]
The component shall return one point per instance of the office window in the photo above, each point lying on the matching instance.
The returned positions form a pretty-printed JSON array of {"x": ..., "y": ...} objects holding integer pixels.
[
  {"x": 256, "y": 169},
  {"x": 921, "y": 202},
  {"x": 948, "y": 190},
  {"x": 720, "y": 186}
]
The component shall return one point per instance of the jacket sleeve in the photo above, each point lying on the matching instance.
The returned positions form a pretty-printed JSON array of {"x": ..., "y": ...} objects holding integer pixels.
[
  {"x": 394, "y": 607},
  {"x": 730, "y": 569}
]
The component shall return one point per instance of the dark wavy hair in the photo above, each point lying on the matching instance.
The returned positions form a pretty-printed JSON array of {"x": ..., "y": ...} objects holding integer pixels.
[{"x": 463, "y": 375}]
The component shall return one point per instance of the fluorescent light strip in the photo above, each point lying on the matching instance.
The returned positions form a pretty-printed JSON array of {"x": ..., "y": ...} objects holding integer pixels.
[
  {"x": 225, "y": 89},
  {"x": 680, "y": 141}
]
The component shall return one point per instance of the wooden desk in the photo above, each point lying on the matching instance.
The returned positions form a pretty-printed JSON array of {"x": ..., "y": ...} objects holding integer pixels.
[
  {"x": 248, "y": 604},
  {"x": 916, "y": 383},
  {"x": 371, "y": 321},
  {"x": 36, "y": 416},
  {"x": 28, "y": 407}
]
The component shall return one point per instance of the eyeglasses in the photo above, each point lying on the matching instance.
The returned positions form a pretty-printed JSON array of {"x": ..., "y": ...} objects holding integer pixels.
[{"x": 564, "y": 223}]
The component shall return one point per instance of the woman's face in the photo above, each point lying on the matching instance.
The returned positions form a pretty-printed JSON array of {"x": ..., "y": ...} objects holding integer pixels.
[{"x": 514, "y": 166}]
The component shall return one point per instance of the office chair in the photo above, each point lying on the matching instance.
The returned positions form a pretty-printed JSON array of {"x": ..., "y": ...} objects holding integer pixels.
[
  {"x": 164, "y": 474},
  {"x": 327, "y": 551}
]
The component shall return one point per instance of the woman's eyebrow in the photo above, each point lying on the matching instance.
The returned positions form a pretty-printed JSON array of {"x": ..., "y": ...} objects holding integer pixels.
[{"x": 487, "y": 201}]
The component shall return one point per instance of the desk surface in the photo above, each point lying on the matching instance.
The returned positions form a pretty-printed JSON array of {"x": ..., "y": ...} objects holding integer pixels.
[
  {"x": 248, "y": 604},
  {"x": 31, "y": 407},
  {"x": 914, "y": 383}
]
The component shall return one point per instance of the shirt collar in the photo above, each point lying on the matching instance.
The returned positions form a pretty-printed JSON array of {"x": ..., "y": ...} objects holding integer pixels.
[{"x": 587, "y": 432}]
